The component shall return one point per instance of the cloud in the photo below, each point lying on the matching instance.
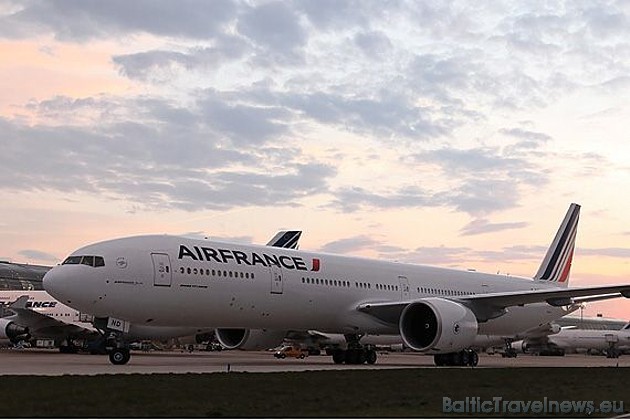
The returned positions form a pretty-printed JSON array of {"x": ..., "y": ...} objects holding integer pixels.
[
  {"x": 481, "y": 226},
  {"x": 333, "y": 15},
  {"x": 244, "y": 124},
  {"x": 349, "y": 245},
  {"x": 78, "y": 20},
  {"x": 481, "y": 181},
  {"x": 527, "y": 135},
  {"x": 441, "y": 255},
  {"x": 161, "y": 65},
  {"x": 411, "y": 77},
  {"x": 165, "y": 165},
  {"x": 514, "y": 253},
  {"x": 351, "y": 199},
  {"x": 275, "y": 27},
  {"x": 385, "y": 115},
  {"x": 373, "y": 44},
  {"x": 605, "y": 252},
  {"x": 35, "y": 255}
]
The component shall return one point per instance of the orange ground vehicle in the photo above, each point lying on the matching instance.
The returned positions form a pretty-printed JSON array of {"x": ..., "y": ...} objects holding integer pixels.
[{"x": 291, "y": 351}]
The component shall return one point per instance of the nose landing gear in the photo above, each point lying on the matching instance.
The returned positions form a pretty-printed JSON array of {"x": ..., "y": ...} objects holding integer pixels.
[
  {"x": 117, "y": 349},
  {"x": 119, "y": 356}
]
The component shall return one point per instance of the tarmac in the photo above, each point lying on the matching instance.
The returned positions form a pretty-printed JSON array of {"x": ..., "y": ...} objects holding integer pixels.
[{"x": 53, "y": 363}]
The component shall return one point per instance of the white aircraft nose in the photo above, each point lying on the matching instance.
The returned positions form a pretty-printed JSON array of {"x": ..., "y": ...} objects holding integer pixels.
[{"x": 57, "y": 284}]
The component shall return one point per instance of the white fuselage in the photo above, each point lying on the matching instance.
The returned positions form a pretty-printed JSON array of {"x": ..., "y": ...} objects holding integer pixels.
[
  {"x": 42, "y": 302},
  {"x": 174, "y": 281},
  {"x": 574, "y": 339}
]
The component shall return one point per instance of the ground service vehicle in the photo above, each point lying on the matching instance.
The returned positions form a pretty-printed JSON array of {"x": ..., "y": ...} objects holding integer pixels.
[{"x": 291, "y": 351}]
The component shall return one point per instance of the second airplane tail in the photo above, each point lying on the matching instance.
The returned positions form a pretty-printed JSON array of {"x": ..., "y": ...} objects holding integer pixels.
[{"x": 556, "y": 266}]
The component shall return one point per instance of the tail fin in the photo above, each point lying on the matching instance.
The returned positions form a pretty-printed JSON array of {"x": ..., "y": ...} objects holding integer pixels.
[
  {"x": 556, "y": 266},
  {"x": 286, "y": 239}
]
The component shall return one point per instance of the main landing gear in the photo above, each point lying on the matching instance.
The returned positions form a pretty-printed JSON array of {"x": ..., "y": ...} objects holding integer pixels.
[
  {"x": 356, "y": 354},
  {"x": 467, "y": 357},
  {"x": 508, "y": 351}
]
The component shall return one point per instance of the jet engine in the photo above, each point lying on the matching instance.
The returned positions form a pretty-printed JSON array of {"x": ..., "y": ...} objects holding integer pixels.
[
  {"x": 12, "y": 331},
  {"x": 244, "y": 339},
  {"x": 437, "y": 325}
]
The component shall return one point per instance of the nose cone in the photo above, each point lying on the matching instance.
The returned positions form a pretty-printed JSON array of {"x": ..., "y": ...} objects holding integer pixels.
[{"x": 57, "y": 282}]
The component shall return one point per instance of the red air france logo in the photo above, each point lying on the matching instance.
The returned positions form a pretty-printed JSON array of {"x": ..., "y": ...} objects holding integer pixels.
[{"x": 315, "y": 264}]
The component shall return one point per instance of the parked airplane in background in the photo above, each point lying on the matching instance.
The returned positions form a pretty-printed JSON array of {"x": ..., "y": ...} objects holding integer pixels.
[
  {"x": 257, "y": 294},
  {"x": 36, "y": 315},
  {"x": 571, "y": 340}
]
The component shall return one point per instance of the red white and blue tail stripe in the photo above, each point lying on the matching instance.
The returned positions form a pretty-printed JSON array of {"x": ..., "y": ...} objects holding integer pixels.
[{"x": 556, "y": 266}]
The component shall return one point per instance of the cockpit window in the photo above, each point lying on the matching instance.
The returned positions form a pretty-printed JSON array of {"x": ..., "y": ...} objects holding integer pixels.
[
  {"x": 90, "y": 260},
  {"x": 72, "y": 260}
]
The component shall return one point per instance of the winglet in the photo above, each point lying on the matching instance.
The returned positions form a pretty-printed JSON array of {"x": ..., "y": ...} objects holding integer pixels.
[
  {"x": 20, "y": 303},
  {"x": 556, "y": 266},
  {"x": 286, "y": 239}
]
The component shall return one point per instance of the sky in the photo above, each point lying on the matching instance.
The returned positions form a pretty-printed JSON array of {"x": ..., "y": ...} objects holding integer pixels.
[{"x": 445, "y": 133}]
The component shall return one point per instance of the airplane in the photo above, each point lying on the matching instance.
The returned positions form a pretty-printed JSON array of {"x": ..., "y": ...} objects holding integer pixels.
[
  {"x": 572, "y": 339},
  {"x": 258, "y": 293},
  {"x": 20, "y": 276},
  {"x": 34, "y": 314}
]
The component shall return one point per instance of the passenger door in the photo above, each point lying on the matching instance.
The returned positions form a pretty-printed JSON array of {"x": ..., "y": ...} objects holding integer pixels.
[
  {"x": 276, "y": 279},
  {"x": 404, "y": 287},
  {"x": 162, "y": 275}
]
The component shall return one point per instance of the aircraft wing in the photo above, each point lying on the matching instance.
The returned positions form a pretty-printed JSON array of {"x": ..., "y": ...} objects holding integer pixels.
[
  {"x": 491, "y": 305},
  {"x": 41, "y": 325},
  {"x": 554, "y": 297},
  {"x": 306, "y": 335}
]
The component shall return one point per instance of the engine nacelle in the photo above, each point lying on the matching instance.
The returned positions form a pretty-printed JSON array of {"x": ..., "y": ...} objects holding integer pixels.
[
  {"x": 244, "y": 339},
  {"x": 522, "y": 345},
  {"x": 10, "y": 330},
  {"x": 437, "y": 325},
  {"x": 554, "y": 328}
]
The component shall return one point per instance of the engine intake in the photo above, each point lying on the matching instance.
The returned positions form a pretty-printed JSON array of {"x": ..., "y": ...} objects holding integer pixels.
[
  {"x": 244, "y": 339},
  {"x": 437, "y": 325}
]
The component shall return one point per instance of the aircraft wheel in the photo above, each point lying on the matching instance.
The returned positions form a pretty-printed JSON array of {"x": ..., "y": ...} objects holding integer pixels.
[
  {"x": 352, "y": 357},
  {"x": 339, "y": 356},
  {"x": 464, "y": 358},
  {"x": 474, "y": 359},
  {"x": 119, "y": 356},
  {"x": 371, "y": 357},
  {"x": 455, "y": 359},
  {"x": 361, "y": 356},
  {"x": 439, "y": 359}
]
